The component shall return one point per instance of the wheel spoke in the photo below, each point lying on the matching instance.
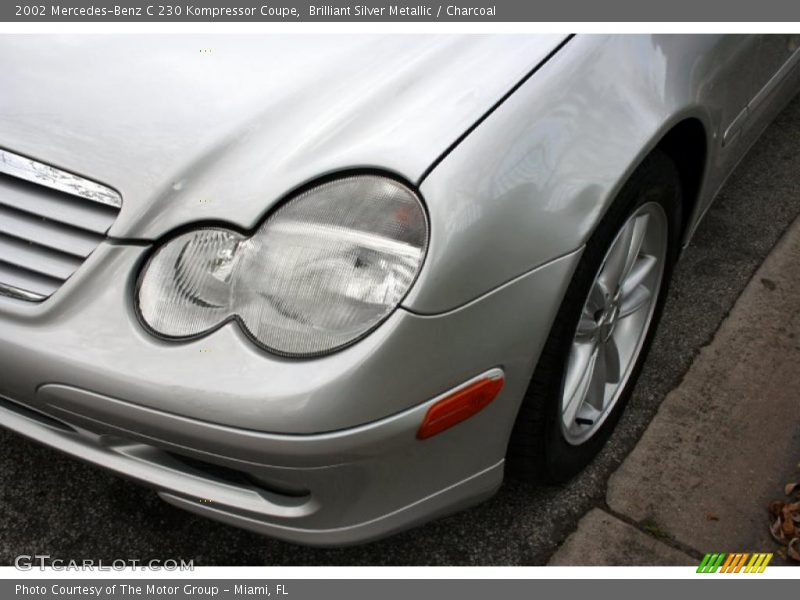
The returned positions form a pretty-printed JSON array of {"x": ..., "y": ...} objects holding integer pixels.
[
  {"x": 637, "y": 298},
  {"x": 582, "y": 380},
  {"x": 598, "y": 298},
  {"x": 613, "y": 369},
  {"x": 580, "y": 358},
  {"x": 596, "y": 393},
  {"x": 641, "y": 268},
  {"x": 587, "y": 326},
  {"x": 639, "y": 228},
  {"x": 614, "y": 267}
]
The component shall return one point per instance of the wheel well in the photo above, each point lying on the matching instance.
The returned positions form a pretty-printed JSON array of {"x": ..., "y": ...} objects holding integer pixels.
[{"x": 686, "y": 146}]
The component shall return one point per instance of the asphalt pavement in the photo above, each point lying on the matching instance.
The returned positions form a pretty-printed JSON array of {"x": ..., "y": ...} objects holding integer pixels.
[{"x": 55, "y": 505}]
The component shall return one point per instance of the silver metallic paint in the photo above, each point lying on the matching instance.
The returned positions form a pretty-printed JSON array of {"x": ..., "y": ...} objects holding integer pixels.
[
  {"x": 544, "y": 167},
  {"x": 187, "y": 138}
]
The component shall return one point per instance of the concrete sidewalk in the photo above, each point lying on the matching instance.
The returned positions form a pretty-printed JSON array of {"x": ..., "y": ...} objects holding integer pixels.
[{"x": 723, "y": 444}]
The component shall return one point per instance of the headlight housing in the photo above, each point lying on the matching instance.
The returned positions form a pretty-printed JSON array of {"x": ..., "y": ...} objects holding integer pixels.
[{"x": 321, "y": 272}]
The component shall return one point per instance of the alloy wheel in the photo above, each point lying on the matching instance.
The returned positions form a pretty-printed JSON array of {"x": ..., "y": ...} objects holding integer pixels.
[{"x": 614, "y": 322}]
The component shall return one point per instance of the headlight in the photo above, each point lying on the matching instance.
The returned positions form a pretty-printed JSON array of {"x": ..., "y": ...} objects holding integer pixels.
[{"x": 321, "y": 272}]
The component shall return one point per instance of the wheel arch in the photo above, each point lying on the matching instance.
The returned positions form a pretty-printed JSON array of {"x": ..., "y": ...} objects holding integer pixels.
[{"x": 686, "y": 144}]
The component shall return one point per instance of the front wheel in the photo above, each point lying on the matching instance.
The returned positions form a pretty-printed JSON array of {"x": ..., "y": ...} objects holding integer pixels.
[{"x": 598, "y": 342}]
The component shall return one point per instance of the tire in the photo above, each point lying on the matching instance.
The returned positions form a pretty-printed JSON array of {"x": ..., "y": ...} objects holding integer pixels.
[{"x": 547, "y": 440}]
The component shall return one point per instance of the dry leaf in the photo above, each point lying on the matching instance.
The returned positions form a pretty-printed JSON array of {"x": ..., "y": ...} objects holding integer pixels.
[
  {"x": 788, "y": 527},
  {"x": 776, "y": 531},
  {"x": 785, "y": 522},
  {"x": 793, "y": 549},
  {"x": 775, "y": 508}
]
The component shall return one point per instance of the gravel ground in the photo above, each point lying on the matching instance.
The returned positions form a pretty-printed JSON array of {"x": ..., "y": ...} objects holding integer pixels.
[{"x": 54, "y": 505}]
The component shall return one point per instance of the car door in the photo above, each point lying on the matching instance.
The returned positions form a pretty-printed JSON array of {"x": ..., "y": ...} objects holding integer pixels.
[
  {"x": 777, "y": 55},
  {"x": 774, "y": 79}
]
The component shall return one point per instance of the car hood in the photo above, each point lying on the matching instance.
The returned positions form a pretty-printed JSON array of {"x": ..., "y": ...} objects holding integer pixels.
[{"x": 206, "y": 128}]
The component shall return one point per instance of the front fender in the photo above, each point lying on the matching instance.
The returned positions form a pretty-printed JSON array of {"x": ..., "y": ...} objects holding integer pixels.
[{"x": 532, "y": 181}]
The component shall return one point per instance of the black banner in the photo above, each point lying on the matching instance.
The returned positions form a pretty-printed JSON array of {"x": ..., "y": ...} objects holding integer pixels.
[{"x": 346, "y": 589}]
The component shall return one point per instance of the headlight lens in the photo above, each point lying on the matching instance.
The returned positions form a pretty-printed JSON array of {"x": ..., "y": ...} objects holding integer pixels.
[{"x": 321, "y": 272}]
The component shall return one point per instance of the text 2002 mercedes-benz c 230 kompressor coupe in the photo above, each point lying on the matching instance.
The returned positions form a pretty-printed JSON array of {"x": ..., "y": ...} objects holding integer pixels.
[{"x": 325, "y": 288}]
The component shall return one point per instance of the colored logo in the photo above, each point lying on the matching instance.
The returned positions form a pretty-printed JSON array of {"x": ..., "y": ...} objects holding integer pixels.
[{"x": 738, "y": 562}]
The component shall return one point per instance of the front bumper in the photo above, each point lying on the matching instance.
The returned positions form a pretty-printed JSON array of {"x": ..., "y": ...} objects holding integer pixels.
[{"x": 317, "y": 451}]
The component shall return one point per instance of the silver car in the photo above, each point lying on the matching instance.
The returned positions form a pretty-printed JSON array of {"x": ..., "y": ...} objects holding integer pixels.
[{"x": 326, "y": 288}]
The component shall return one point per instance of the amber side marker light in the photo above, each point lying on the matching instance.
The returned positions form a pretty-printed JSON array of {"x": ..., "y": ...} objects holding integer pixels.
[{"x": 460, "y": 405}]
